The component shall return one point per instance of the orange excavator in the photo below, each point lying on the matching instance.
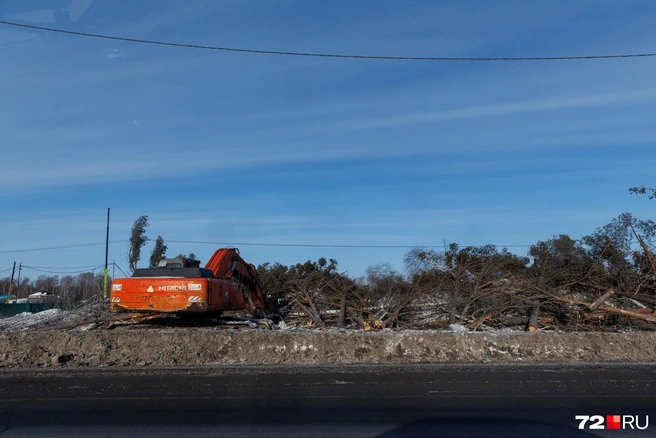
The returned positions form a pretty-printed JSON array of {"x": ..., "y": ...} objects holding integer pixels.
[{"x": 182, "y": 286}]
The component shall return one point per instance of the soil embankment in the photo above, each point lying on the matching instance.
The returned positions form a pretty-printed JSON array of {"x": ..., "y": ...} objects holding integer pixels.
[{"x": 207, "y": 346}]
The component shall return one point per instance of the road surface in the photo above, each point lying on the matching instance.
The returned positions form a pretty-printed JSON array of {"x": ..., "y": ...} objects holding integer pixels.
[{"x": 332, "y": 401}]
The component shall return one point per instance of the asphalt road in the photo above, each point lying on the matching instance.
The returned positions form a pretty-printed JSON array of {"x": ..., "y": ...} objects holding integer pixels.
[{"x": 346, "y": 401}]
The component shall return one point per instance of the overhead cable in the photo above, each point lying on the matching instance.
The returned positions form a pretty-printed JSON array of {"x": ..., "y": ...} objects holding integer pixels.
[
  {"x": 47, "y": 248},
  {"x": 314, "y": 245},
  {"x": 119, "y": 268},
  {"x": 327, "y": 55},
  {"x": 270, "y": 244},
  {"x": 63, "y": 272},
  {"x": 61, "y": 267}
]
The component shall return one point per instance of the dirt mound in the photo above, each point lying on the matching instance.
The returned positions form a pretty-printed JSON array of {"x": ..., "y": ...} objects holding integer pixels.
[{"x": 208, "y": 346}]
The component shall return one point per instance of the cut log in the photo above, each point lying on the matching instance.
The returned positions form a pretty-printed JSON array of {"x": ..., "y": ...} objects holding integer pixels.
[
  {"x": 593, "y": 316},
  {"x": 515, "y": 320},
  {"x": 356, "y": 316},
  {"x": 642, "y": 325},
  {"x": 316, "y": 318},
  {"x": 608, "y": 309},
  {"x": 533, "y": 320},
  {"x": 341, "y": 321},
  {"x": 638, "y": 297},
  {"x": 544, "y": 320},
  {"x": 599, "y": 301},
  {"x": 556, "y": 311},
  {"x": 474, "y": 325}
]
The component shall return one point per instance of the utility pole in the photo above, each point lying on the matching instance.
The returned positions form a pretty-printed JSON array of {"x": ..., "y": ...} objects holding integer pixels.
[
  {"x": 11, "y": 283},
  {"x": 20, "y": 266},
  {"x": 105, "y": 285}
]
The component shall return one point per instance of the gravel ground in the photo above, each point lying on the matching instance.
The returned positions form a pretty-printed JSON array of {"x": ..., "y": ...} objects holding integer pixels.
[
  {"x": 92, "y": 337},
  {"x": 85, "y": 347}
]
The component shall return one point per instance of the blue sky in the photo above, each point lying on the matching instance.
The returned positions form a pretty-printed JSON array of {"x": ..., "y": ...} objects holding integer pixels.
[{"x": 242, "y": 148}]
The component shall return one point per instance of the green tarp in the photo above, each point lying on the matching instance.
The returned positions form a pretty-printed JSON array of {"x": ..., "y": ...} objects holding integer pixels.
[{"x": 16, "y": 308}]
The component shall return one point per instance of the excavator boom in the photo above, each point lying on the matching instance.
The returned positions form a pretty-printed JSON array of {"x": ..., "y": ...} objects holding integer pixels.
[{"x": 226, "y": 262}]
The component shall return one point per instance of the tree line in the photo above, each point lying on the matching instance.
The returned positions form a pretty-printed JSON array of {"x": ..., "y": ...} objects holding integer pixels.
[
  {"x": 73, "y": 290},
  {"x": 605, "y": 280}
]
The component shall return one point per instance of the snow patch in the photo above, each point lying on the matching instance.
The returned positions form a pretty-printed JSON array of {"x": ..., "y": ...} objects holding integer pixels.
[
  {"x": 26, "y": 320},
  {"x": 87, "y": 327},
  {"x": 458, "y": 329},
  {"x": 303, "y": 347}
]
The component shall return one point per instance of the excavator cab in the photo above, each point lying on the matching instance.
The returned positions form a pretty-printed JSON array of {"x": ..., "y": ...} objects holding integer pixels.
[{"x": 178, "y": 263}]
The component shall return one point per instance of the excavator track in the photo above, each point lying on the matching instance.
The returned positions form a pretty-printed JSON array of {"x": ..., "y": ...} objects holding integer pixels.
[{"x": 172, "y": 320}]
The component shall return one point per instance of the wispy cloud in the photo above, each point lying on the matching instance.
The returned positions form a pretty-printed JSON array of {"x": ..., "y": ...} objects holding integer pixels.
[
  {"x": 77, "y": 8},
  {"x": 112, "y": 54},
  {"x": 494, "y": 110},
  {"x": 11, "y": 36},
  {"x": 127, "y": 167},
  {"x": 37, "y": 16}
]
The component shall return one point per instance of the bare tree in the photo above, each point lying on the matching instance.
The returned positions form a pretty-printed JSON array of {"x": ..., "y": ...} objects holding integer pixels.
[
  {"x": 342, "y": 289},
  {"x": 471, "y": 282},
  {"x": 307, "y": 291},
  {"x": 384, "y": 298}
]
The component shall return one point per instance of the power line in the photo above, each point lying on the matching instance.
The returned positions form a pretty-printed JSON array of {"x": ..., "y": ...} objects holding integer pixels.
[
  {"x": 63, "y": 267},
  {"x": 313, "y": 245},
  {"x": 119, "y": 268},
  {"x": 47, "y": 248},
  {"x": 62, "y": 272},
  {"x": 326, "y": 55},
  {"x": 290, "y": 245}
]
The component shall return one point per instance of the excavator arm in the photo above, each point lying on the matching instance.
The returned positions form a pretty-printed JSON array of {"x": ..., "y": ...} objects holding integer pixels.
[{"x": 227, "y": 263}]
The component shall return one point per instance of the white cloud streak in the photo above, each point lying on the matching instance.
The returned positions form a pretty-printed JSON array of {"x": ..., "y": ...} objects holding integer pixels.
[{"x": 495, "y": 110}]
